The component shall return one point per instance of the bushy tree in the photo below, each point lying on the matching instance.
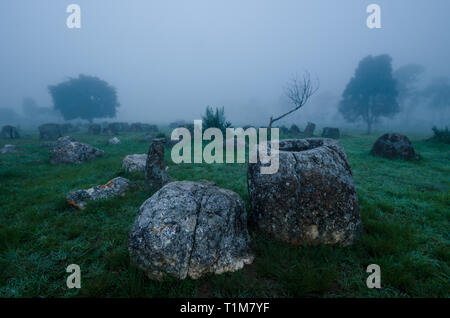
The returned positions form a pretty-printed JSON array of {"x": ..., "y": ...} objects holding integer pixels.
[
  {"x": 85, "y": 97},
  {"x": 441, "y": 135},
  {"x": 371, "y": 93},
  {"x": 215, "y": 119}
]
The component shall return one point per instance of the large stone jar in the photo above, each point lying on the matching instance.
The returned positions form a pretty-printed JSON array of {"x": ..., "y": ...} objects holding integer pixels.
[{"x": 311, "y": 199}]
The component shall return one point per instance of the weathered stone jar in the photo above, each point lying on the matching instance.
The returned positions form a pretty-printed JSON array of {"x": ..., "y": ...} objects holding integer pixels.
[{"x": 311, "y": 199}]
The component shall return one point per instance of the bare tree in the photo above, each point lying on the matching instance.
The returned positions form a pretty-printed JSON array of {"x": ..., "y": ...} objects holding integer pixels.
[{"x": 298, "y": 91}]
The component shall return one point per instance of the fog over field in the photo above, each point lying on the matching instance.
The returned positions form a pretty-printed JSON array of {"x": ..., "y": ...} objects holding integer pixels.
[{"x": 170, "y": 59}]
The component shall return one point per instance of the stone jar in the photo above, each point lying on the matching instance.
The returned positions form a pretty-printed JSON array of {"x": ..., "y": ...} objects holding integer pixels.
[{"x": 312, "y": 197}]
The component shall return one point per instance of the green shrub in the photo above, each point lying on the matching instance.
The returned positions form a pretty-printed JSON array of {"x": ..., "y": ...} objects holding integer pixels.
[
  {"x": 441, "y": 135},
  {"x": 215, "y": 119}
]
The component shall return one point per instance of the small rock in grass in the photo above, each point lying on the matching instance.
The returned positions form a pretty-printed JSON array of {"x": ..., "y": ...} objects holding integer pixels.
[
  {"x": 394, "y": 146},
  {"x": 68, "y": 150},
  {"x": 114, "y": 141},
  {"x": 8, "y": 148},
  {"x": 114, "y": 187},
  {"x": 134, "y": 163}
]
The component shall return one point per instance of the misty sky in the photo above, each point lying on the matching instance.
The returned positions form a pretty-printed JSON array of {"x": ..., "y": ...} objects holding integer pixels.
[{"x": 168, "y": 59}]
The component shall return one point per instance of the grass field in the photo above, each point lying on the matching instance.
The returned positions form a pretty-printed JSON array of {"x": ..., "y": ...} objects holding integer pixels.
[{"x": 405, "y": 208}]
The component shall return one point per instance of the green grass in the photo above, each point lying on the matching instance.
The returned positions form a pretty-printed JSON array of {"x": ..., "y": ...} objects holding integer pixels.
[{"x": 405, "y": 208}]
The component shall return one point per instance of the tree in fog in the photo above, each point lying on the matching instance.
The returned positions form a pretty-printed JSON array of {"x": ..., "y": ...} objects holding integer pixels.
[
  {"x": 408, "y": 77},
  {"x": 298, "y": 91},
  {"x": 371, "y": 93},
  {"x": 409, "y": 93},
  {"x": 437, "y": 94},
  {"x": 85, "y": 97}
]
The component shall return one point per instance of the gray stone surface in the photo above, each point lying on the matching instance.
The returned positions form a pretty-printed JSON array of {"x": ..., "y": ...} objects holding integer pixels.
[
  {"x": 394, "y": 146},
  {"x": 311, "y": 199},
  {"x": 134, "y": 163},
  {"x": 155, "y": 169},
  {"x": 8, "y": 148},
  {"x": 114, "y": 187},
  {"x": 68, "y": 150},
  {"x": 189, "y": 229},
  {"x": 114, "y": 141},
  {"x": 10, "y": 132},
  {"x": 329, "y": 132},
  {"x": 49, "y": 131}
]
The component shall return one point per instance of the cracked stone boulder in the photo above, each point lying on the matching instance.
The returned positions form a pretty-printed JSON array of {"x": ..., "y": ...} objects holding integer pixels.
[
  {"x": 67, "y": 150},
  {"x": 155, "y": 169},
  {"x": 114, "y": 187},
  {"x": 10, "y": 132},
  {"x": 49, "y": 131},
  {"x": 190, "y": 229},
  {"x": 134, "y": 163},
  {"x": 311, "y": 199},
  {"x": 394, "y": 146}
]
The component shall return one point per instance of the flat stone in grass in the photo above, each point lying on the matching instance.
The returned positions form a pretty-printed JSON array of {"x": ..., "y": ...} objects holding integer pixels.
[
  {"x": 112, "y": 188},
  {"x": 190, "y": 229},
  {"x": 8, "y": 148},
  {"x": 68, "y": 150},
  {"x": 134, "y": 163}
]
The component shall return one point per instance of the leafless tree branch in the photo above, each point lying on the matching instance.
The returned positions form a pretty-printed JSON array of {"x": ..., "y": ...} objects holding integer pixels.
[{"x": 298, "y": 91}]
